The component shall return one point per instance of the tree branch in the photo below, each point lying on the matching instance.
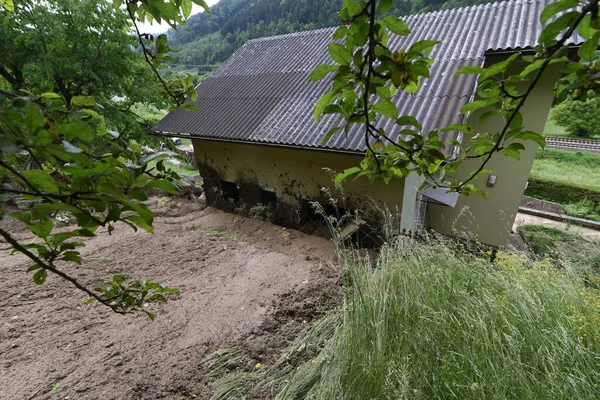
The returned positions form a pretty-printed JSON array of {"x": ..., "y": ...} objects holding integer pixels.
[{"x": 50, "y": 267}]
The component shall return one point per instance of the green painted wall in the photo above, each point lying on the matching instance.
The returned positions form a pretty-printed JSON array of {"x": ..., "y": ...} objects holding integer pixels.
[
  {"x": 490, "y": 220},
  {"x": 295, "y": 173}
]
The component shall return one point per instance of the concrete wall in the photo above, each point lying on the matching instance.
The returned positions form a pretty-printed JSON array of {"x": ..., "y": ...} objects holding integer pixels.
[
  {"x": 291, "y": 173},
  {"x": 490, "y": 220}
]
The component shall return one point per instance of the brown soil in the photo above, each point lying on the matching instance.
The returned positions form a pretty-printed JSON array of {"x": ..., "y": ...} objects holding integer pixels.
[
  {"x": 542, "y": 205},
  {"x": 239, "y": 286}
]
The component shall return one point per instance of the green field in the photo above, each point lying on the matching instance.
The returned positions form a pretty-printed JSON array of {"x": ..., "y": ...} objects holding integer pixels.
[{"x": 183, "y": 169}]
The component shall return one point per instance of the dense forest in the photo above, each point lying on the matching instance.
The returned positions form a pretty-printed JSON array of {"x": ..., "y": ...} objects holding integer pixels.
[{"x": 211, "y": 40}]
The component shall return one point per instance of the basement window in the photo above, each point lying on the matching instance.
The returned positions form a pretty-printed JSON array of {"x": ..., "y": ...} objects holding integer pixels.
[
  {"x": 268, "y": 197},
  {"x": 307, "y": 212},
  {"x": 230, "y": 191}
]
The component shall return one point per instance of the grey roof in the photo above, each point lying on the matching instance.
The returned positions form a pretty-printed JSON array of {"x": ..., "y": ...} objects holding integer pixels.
[{"x": 262, "y": 93}]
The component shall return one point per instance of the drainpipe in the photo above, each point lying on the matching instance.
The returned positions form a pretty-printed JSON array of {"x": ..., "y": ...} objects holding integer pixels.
[{"x": 411, "y": 199}]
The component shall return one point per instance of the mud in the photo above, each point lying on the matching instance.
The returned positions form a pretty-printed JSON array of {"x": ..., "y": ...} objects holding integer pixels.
[{"x": 241, "y": 279}]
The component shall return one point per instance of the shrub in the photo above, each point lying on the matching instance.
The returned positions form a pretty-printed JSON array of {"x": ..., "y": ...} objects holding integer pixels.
[
  {"x": 559, "y": 192},
  {"x": 581, "y": 209},
  {"x": 581, "y": 118}
]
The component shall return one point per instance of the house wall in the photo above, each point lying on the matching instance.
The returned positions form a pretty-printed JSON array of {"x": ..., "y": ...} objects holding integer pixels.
[
  {"x": 490, "y": 219},
  {"x": 291, "y": 173}
]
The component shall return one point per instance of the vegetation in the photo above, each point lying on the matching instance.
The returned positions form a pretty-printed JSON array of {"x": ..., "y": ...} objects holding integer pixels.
[
  {"x": 579, "y": 118},
  {"x": 70, "y": 139},
  {"x": 207, "y": 40},
  {"x": 427, "y": 320},
  {"x": 565, "y": 177}
]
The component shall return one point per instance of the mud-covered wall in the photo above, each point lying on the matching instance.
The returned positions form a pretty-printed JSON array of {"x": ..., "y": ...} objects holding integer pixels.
[
  {"x": 292, "y": 174},
  {"x": 490, "y": 219}
]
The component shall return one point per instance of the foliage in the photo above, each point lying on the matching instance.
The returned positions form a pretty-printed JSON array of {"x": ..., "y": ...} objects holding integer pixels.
[
  {"x": 427, "y": 321},
  {"x": 579, "y": 118},
  {"x": 70, "y": 78},
  {"x": 564, "y": 246},
  {"x": 559, "y": 192},
  {"x": 367, "y": 77},
  {"x": 580, "y": 209}
]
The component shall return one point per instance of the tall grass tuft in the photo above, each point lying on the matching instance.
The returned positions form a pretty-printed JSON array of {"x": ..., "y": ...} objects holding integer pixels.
[{"x": 428, "y": 322}]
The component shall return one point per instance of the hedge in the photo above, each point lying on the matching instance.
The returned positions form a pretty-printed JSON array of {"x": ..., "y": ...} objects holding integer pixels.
[{"x": 557, "y": 192}]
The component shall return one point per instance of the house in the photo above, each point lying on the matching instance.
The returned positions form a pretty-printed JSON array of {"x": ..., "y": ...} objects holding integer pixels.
[{"x": 256, "y": 141}]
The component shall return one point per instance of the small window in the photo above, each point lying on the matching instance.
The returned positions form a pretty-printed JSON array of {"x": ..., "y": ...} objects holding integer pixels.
[
  {"x": 268, "y": 197},
  {"x": 230, "y": 191}
]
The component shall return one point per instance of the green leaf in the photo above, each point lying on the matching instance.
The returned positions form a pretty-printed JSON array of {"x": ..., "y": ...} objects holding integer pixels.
[
  {"x": 150, "y": 315},
  {"x": 83, "y": 101},
  {"x": 72, "y": 256},
  {"x": 340, "y": 54},
  {"x": 340, "y": 32},
  {"x": 140, "y": 222},
  {"x": 477, "y": 104},
  {"x": 514, "y": 150},
  {"x": 498, "y": 67},
  {"x": 554, "y": 8},
  {"x": 423, "y": 46},
  {"x": 8, "y": 5},
  {"x": 163, "y": 185},
  {"x": 34, "y": 267},
  {"x": 408, "y": 120},
  {"x": 40, "y": 276},
  {"x": 321, "y": 71},
  {"x": 396, "y": 25},
  {"x": 158, "y": 297},
  {"x": 323, "y": 101},
  {"x": 587, "y": 51},
  {"x": 41, "y": 180},
  {"x": 329, "y": 134},
  {"x": 530, "y": 135},
  {"x": 74, "y": 130},
  {"x": 347, "y": 172},
  {"x": 186, "y": 8},
  {"x": 384, "y": 5},
  {"x": 465, "y": 128},
  {"x": 469, "y": 69},
  {"x": 386, "y": 108},
  {"x": 584, "y": 28}
]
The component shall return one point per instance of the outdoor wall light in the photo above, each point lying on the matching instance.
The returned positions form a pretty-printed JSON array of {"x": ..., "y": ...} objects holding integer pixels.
[{"x": 491, "y": 182}]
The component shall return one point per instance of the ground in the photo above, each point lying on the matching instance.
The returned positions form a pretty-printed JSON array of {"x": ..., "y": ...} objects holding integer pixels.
[{"x": 243, "y": 281}]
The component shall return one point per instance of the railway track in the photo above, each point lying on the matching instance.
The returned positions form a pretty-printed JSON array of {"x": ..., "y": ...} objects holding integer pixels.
[{"x": 573, "y": 144}]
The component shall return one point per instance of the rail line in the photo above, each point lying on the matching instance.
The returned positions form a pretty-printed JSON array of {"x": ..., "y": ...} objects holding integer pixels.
[{"x": 573, "y": 144}]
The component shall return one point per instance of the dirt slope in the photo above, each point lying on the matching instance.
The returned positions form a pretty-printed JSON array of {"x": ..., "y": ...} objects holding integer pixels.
[{"x": 232, "y": 271}]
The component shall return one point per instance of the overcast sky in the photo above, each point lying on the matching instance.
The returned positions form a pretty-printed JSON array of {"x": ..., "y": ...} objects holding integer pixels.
[{"x": 156, "y": 28}]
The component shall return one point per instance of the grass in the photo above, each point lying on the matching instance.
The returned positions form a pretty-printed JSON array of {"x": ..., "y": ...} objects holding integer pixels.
[
  {"x": 574, "y": 168},
  {"x": 220, "y": 232},
  {"x": 183, "y": 169},
  {"x": 563, "y": 246},
  {"x": 428, "y": 321}
]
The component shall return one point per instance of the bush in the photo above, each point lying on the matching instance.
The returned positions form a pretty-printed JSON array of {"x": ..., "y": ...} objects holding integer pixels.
[
  {"x": 580, "y": 118},
  {"x": 559, "y": 192},
  {"x": 581, "y": 209}
]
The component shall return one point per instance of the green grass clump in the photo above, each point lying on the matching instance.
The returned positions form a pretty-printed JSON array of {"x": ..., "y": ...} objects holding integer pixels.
[
  {"x": 563, "y": 246},
  {"x": 428, "y": 322}
]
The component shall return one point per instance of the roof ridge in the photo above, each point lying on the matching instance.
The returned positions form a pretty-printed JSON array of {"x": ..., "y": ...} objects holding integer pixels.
[{"x": 436, "y": 13}]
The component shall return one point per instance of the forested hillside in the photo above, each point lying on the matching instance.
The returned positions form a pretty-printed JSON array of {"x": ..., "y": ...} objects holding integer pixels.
[{"x": 211, "y": 40}]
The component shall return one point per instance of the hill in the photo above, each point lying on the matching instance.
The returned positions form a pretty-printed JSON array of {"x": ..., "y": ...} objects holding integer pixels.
[{"x": 211, "y": 40}]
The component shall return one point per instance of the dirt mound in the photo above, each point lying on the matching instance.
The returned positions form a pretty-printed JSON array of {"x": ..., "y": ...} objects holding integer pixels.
[{"x": 241, "y": 279}]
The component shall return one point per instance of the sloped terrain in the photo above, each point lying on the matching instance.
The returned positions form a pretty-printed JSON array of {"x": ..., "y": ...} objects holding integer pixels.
[{"x": 238, "y": 276}]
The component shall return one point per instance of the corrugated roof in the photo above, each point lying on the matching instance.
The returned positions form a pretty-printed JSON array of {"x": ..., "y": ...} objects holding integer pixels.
[{"x": 263, "y": 94}]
